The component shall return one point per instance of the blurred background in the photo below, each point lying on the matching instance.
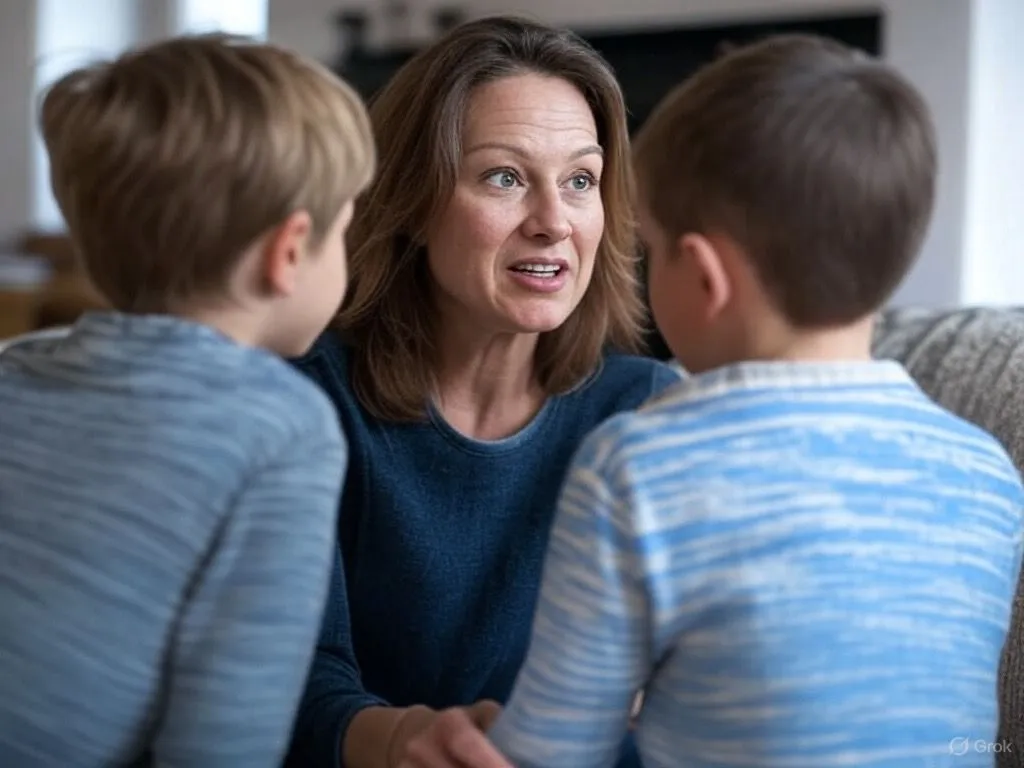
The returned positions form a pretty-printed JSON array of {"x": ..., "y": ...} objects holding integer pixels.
[{"x": 960, "y": 53}]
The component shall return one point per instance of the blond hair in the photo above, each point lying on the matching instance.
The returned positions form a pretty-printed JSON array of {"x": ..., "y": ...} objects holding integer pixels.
[
  {"x": 387, "y": 318},
  {"x": 171, "y": 160}
]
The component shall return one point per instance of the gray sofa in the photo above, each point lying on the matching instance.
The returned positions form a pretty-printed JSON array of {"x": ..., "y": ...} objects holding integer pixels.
[{"x": 972, "y": 362}]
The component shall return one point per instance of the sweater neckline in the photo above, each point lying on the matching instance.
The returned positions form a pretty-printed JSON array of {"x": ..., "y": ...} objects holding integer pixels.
[{"x": 526, "y": 435}]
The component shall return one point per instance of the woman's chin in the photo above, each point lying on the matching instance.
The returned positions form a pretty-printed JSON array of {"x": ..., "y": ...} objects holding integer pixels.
[
  {"x": 539, "y": 321},
  {"x": 531, "y": 315}
]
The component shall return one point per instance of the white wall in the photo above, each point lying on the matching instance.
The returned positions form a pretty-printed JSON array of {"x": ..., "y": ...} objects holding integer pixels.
[
  {"x": 69, "y": 34},
  {"x": 38, "y": 40},
  {"x": 994, "y": 214},
  {"x": 17, "y": 25},
  {"x": 239, "y": 17}
]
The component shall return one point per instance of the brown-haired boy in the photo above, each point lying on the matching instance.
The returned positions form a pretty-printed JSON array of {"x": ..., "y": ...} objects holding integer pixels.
[
  {"x": 801, "y": 558},
  {"x": 168, "y": 484}
]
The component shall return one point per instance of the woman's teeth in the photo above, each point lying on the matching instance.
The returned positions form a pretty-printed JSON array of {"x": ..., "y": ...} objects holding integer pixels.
[{"x": 539, "y": 270}]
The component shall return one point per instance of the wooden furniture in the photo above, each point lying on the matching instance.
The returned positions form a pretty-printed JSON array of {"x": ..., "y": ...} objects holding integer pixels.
[
  {"x": 57, "y": 301},
  {"x": 17, "y": 311}
]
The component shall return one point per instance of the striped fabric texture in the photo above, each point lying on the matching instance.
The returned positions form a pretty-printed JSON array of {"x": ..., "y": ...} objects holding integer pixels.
[
  {"x": 802, "y": 564},
  {"x": 167, "y": 520}
]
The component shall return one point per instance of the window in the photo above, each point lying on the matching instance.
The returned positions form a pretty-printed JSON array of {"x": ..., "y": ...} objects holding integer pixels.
[
  {"x": 240, "y": 17},
  {"x": 70, "y": 34}
]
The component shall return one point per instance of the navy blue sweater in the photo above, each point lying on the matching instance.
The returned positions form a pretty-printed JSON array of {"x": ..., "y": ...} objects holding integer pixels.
[{"x": 441, "y": 545}]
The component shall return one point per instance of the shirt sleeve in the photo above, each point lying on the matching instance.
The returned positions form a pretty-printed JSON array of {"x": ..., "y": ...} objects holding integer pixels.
[
  {"x": 246, "y": 633},
  {"x": 590, "y": 645}
]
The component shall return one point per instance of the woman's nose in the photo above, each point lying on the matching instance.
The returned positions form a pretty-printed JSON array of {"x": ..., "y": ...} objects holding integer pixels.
[{"x": 548, "y": 219}]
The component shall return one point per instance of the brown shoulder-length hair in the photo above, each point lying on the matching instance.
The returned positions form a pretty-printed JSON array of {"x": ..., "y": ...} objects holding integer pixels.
[{"x": 389, "y": 316}]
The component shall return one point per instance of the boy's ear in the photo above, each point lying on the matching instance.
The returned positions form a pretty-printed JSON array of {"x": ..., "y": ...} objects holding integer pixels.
[
  {"x": 283, "y": 250},
  {"x": 709, "y": 269}
]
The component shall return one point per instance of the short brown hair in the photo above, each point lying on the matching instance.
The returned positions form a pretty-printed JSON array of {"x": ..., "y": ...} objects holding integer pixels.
[
  {"x": 819, "y": 161},
  {"x": 418, "y": 120},
  {"x": 169, "y": 161}
]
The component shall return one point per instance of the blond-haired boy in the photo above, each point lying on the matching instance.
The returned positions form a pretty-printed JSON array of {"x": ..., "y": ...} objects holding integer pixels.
[{"x": 168, "y": 484}]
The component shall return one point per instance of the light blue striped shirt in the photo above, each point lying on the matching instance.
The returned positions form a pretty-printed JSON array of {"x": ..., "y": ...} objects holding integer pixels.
[
  {"x": 803, "y": 565},
  {"x": 167, "y": 521}
]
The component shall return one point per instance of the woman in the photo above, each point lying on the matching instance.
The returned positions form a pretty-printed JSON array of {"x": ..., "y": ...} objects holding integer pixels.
[{"x": 492, "y": 267}]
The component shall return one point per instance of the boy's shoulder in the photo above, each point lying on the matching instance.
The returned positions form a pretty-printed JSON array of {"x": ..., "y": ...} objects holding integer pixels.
[
  {"x": 668, "y": 384},
  {"x": 280, "y": 404},
  {"x": 298, "y": 400},
  {"x": 992, "y": 459},
  {"x": 282, "y": 380},
  {"x": 695, "y": 407},
  {"x": 215, "y": 386},
  {"x": 629, "y": 435}
]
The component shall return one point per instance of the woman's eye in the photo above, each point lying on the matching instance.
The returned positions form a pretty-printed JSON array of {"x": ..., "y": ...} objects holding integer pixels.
[
  {"x": 503, "y": 179},
  {"x": 581, "y": 182}
]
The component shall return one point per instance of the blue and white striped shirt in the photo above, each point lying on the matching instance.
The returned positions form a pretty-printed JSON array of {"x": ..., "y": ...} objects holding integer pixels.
[
  {"x": 167, "y": 520},
  {"x": 803, "y": 564}
]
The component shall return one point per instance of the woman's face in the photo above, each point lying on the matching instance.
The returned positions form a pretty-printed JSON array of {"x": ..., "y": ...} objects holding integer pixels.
[{"x": 514, "y": 250}]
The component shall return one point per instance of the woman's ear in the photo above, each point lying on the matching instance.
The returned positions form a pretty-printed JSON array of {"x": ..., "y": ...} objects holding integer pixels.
[{"x": 708, "y": 268}]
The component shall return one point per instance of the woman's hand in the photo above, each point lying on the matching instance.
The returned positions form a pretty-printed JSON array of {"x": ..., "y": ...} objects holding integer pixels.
[{"x": 454, "y": 738}]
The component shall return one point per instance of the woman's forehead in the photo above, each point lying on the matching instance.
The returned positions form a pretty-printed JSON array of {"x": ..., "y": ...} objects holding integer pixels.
[{"x": 529, "y": 110}]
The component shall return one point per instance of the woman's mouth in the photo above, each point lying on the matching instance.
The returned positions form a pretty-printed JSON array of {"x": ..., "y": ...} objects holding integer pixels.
[
  {"x": 538, "y": 270},
  {"x": 540, "y": 277}
]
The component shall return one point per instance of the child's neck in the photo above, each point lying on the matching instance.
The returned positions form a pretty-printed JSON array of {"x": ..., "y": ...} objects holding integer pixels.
[
  {"x": 845, "y": 343},
  {"x": 236, "y": 323}
]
